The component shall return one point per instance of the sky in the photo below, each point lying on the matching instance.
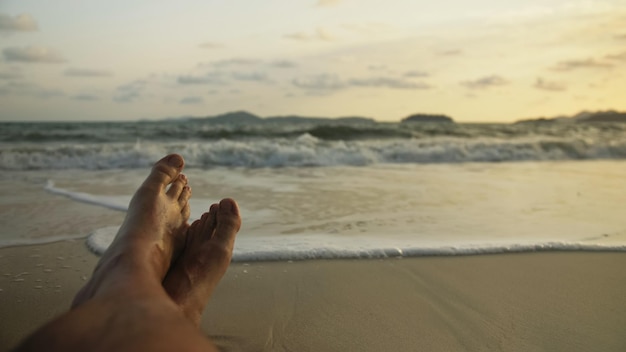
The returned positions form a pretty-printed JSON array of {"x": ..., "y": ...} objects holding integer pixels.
[{"x": 476, "y": 61}]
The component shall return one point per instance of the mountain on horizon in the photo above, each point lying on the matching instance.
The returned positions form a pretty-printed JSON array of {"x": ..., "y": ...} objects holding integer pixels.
[
  {"x": 234, "y": 117},
  {"x": 582, "y": 117}
]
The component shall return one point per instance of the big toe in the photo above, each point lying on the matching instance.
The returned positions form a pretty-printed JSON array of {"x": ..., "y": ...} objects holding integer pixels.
[
  {"x": 165, "y": 171},
  {"x": 228, "y": 223}
]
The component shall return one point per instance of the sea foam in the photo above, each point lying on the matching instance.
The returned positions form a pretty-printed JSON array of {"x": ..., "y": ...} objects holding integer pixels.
[
  {"x": 307, "y": 151},
  {"x": 323, "y": 246},
  {"x": 103, "y": 201},
  {"x": 449, "y": 211}
]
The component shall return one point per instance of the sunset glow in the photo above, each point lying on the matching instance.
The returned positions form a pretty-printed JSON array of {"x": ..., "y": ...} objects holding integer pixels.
[{"x": 488, "y": 61}]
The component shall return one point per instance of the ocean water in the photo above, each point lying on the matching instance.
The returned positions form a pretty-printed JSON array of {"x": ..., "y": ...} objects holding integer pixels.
[{"x": 311, "y": 191}]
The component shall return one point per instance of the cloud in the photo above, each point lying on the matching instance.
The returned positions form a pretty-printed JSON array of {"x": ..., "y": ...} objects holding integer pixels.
[
  {"x": 11, "y": 74},
  {"x": 330, "y": 82},
  {"x": 134, "y": 85},
  {"x": 485, "y": 82},
  {"x": 220, "y": 78},
  {"x": 85, "y": 97},
  {"x": 283, "y": 64},
  {"x": 191, "y": 100},
  {"x": 19, "y": 23},
  {"x": 550, "y": 86},
  {"x": 320, "y": 34},
  {"x": 570, "y": 65},
  {"x": 211, "y": 45},
  {"x": 250, "y": 76},
  {"x": 31, "y": 55},
  {"x": 324, "y": 3},
  {"x": 416, "y": 74},
  {"x": 30, "y": 90},
  {"x": 323, "y": 34},
  {"x": 85, "y": 72},
  {"x": 130, "y": 92},
  {"x": 377, "y": 67},
  {"x": 126, "y": 97},
  {"x": 619, "y": 57},
  {"x": 46, "y": 93},
  {"x": 209, "y": 78},
  {"x": 388, "y": 83},
  {"x": 235, "y": 62},
  {"x": 319, "y": 82},
  {"x": 299, "y": 36},
  {"x": 346, "y": 59}
]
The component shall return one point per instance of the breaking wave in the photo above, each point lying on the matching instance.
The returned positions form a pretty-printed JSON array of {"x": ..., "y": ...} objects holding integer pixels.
[{"x": 306, "y": 150}]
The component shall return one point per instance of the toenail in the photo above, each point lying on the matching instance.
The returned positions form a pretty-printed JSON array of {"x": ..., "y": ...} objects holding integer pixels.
[
  {"x": 183, "y": 177},
  {"x": 175, "y": 160},
  {"x": 230, "y": 205}
]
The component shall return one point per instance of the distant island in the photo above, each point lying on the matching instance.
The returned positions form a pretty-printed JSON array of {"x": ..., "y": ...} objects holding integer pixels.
[
  {"x": 247, "y": 118},
  {"x": 428, "y": 119},
  {"x": 244, "y": 117},
  {"x": 581, "y": 117}
]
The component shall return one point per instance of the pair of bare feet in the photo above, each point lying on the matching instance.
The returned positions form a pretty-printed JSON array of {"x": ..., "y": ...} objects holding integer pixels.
[
  {"x": 155, "y": 244},
  {"x": 150, "y": 287}
]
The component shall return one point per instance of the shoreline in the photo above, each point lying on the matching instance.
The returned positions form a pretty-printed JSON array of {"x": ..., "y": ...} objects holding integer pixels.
[
  {"x": 382, "y": 254},
  {"x": 516, "y": 302}
]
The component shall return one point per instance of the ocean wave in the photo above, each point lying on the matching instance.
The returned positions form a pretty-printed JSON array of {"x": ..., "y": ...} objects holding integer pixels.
[
  {"x": 169, "y": 131},
  {"x": 306, "y": 150}
]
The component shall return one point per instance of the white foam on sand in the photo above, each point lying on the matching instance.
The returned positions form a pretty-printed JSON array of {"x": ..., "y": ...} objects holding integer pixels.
[
  {"x": 114, "y": 203},
  {"x": 376, "y": 212},
  {"x": 119, "y": 203},
  {"x": 323, "y": 246}
]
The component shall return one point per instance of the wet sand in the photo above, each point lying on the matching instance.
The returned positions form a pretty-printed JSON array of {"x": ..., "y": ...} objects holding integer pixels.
[{"x": 511, "y": 302}]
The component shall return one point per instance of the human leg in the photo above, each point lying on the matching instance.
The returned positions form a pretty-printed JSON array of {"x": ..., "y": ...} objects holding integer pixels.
[{"x": 124, "y": 305}]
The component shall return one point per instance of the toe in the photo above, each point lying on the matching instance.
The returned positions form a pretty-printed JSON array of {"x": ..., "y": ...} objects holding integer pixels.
[
  {"x": 183, "y": 198},
  {"x": 209, "y": 221},
  {"x": 176, "y": 189},
  {"x": 228, "y": 222},
  {"x": 186, "y": 212},
  {"x": 165, "y": 171}
]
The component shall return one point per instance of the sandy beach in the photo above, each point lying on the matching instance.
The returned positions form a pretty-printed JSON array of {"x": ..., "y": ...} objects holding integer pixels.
[
  {"x": 510, "y": 302},
  {"x": 409, "y": 176}
]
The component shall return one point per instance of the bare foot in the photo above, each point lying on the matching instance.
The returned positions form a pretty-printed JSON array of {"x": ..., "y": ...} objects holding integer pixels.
[
  {"x": 151, "y": 235},
  {"x": 208, "y": 250}
]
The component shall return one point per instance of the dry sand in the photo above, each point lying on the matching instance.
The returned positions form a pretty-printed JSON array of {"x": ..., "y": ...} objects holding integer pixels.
[{"x": 512, "y": 302}]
